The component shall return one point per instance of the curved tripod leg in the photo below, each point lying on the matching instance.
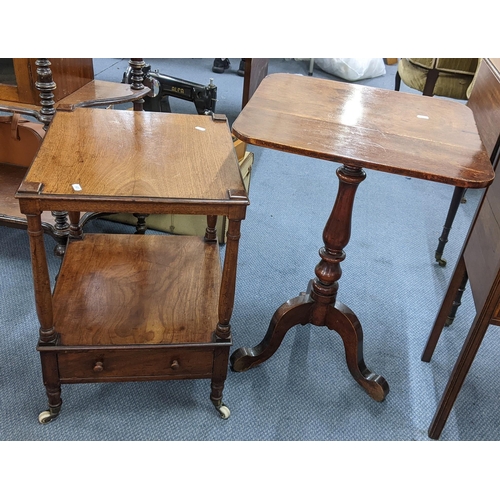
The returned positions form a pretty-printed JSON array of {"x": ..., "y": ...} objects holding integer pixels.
[
  {"x": 294, "y": 312},
  {"x": 342, "y": 320},
  {"x": 317, "y": 306}
]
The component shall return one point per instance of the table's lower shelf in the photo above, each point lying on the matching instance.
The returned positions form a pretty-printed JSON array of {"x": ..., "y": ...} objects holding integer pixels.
[
  {"x": 125, "y": 290},
  {"x": 136, "y": 308}
]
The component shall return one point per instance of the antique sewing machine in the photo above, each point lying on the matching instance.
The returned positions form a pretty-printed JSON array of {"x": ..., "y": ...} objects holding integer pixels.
[{"x": 162, "y": 87}]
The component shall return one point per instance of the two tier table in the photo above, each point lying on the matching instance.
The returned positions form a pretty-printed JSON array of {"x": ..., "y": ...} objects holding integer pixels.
[{"x": 135, "y": 307}]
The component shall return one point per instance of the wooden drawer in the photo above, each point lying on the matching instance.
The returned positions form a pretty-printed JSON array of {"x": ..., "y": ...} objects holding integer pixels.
[{"x": 100, "y": 365}]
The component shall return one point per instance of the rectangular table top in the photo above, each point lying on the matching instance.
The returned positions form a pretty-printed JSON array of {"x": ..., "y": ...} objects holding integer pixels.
[
  {"x": 120, "y": 154},
  {"x": 397, "y": 132}
]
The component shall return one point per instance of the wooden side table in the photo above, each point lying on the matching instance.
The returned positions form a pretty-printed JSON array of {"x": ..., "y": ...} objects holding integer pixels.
[
  {"x": 135, "y": 307},
  {"x": 359, "y": 127}
]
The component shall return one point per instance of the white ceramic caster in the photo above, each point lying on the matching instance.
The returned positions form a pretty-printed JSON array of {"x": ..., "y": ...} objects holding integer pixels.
[
  {"x": 45, "y": 417},
  {"x": 224, "y": 412}
]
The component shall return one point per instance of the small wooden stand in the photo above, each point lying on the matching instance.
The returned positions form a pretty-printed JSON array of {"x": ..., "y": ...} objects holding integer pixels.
[
  {"x": 359, "y": 127},
  {"x": 135, "y": 307}
]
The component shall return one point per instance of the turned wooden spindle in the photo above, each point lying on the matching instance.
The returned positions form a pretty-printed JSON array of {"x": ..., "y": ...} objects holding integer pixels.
[
  {"x": 75, "y": 228},
  {"x": 211, "y": 232},
  {"x": 336, "y": 236},
  {"x": 41, "y": 279},
  {"x": 46, "y": 86},
  {"x": 137, "y": 79},
  {"x": 228, "y": 283},
  {"x": 141, "y": 226}
]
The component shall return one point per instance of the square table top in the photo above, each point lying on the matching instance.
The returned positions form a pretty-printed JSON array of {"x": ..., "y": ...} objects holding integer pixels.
[
  {"x": 120, "y": 154},
  {"x": 359, "y": 126}
]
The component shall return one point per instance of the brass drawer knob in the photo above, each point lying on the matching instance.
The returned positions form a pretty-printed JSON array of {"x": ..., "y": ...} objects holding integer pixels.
[
  {"x": 98, "y": 367},
  {"x": 174, "y": 365}
]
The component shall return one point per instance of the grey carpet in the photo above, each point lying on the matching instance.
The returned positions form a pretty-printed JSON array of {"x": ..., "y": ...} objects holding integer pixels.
[{"x": 304, "y": 392}]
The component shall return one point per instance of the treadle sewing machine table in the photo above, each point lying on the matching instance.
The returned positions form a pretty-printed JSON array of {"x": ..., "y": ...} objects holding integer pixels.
[
  {"x": 359, "y": 127},
  {"x": 138, "y": 306}
]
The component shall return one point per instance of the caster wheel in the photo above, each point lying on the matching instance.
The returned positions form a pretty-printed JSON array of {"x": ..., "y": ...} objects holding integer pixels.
[
  {"x": 224, "y": 412},
  {"x": 45, "y": 417}
]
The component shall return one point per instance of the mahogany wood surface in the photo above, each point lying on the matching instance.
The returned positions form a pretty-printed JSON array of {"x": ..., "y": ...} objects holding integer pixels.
[
  {"x": 127, "y": 365},
  {"x": 174, "y": 158},
  {"x": 482, "y": 252},
  {"x": 12, "y": 106},
  {"x": 99, "y": 93},
  {"x": 360, "y": 127},
  {"x": 484, "y": 102},
  {"x": 75, "y": 88},
  {"x": 10, "y": 178},
  {"x": 135, "y": 307},
  {"x": 117, "y": 287},
  {"x": 433, "y": 139},
  {"x": 479, "y": 261}
]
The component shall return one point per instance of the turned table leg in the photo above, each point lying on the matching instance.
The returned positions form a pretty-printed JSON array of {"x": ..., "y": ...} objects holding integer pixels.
[
  {"x": 456, "y": 199},
  {"x": 48, "y": 335},
  {"x": 318, "y": 305},
  {"x": 222, "y": 333},
  {"x": 448, "y": 304}
]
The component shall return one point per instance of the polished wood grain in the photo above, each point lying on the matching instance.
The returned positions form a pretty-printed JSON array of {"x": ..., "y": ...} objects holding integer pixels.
[
  {"x": 433, "y": 139},
  {"x": 480, "y": 262},
  {"x": 359, "y": 127},
  {"x": 135, "y": 307},
  {"x": 75, "y": 87},
  {"x": 164, "y": 163},
  {"x": 482, "y": 252},
  {"x": 117, "y": 287},
  {"x": 93, "y": 93},
  {"x": 9, "y": 106},
  {"x": 100, "y": 93}
]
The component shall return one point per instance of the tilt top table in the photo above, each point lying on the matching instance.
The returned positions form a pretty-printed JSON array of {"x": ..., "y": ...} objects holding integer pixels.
[
  {"x": 135, "y": 307},
  {"x": 359, "y": 127}
]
